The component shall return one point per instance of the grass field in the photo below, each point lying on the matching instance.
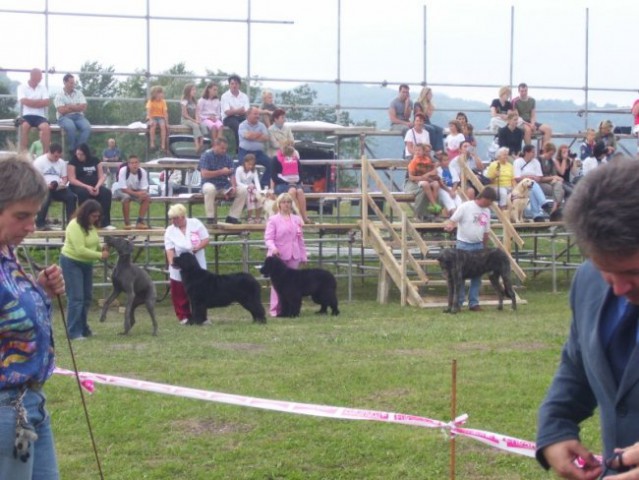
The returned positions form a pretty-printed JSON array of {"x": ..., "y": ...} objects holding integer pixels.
[{"x": 379, "y": 357}]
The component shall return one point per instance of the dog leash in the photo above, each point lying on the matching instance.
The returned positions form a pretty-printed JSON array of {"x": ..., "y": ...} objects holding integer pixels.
[{"x": 77, "y": 377}]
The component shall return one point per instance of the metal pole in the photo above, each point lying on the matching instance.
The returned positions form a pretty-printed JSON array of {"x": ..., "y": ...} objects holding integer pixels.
[
  {"x": 512, "y": 43},
  {"x": 148, "y": 47},
  {"x": 425, "y": 21},
  {"x": 339, "y": 58},
  {"x": 46, "y": 43},
  {"x": 453, "y": 415},
  {"x": 248, "y": 49},
  {"x": 586, "y": 73}
]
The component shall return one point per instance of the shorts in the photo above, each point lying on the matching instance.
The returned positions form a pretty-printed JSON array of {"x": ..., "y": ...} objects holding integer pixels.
[
  {"x": 285, "y": 187},
  {"x": 158, "y": 120},
  {"x": 35, "y": 120},
  {"x": 124, "y": 197},
  {"x": 210, "y": 124}
]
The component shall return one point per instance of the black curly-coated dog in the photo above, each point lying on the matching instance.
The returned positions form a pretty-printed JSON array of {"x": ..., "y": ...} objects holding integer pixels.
[
  {"x": 458, "y": 265},
  {"x": 291, "y": 285},
  {"x": 208, "y": 290}
]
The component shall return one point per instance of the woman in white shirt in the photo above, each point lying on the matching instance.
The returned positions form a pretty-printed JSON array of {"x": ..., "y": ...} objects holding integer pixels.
[{"x": 183, "y": 235}]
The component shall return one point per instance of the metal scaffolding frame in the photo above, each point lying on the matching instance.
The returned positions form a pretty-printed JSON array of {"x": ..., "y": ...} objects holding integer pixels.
[{"x": 338, "y": 81}]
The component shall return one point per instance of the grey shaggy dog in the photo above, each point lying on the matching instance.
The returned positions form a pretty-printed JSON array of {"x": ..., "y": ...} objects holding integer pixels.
[
  {"x": 458, "y": 265},
  {"x": 132, "y": 280}
]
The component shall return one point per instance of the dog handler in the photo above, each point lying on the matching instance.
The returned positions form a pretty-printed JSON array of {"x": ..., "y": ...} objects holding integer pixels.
[
  {"x": 26, "y": 342},
  {"x": 284, "y": 238},
  {"x": 472, "y": 220},
  {"x": 598, "y": 367},
  {"x": 183, "y": 235}
]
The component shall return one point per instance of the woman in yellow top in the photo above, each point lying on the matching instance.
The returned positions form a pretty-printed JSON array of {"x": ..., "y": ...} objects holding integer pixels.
[
  {"x": 501, "y": 173},
  {"x": 81, "y": 249},
  {"x": 157, "y": 115}
]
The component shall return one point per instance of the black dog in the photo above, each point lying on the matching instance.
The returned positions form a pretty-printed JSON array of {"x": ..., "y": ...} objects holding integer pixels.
[
  {"x": 208, "y": 290},
  {"x": 132, "y": 280},
  {"x": 291, "y": 285},
  {"x": 458, "y": 265}
]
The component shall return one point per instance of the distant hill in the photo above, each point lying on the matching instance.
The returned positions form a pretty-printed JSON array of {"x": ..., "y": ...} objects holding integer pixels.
[{"x": 363, "y": 97}]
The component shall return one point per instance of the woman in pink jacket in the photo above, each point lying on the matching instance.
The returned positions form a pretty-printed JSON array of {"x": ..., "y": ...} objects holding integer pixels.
[{"x": 284, "y": 238}]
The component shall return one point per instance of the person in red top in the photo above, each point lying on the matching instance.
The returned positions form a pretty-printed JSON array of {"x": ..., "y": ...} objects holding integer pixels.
[
  {"x": 635, "y": 128},
  {"x": 423, "y": 181}
]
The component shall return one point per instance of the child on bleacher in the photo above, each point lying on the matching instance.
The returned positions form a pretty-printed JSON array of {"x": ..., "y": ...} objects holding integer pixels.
[
  {"x": 157, "y": 115},
  {"x": 247, "y": 175},
  {"x": 133, "y": 184},
  {"x": 423, "y": 180},
  {"x": 210, "y": 110},
  {"x": 448, "y": 185}
]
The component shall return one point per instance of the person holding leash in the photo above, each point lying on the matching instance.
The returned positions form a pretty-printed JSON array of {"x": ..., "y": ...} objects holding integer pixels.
[{"x": 27, "y": 355}]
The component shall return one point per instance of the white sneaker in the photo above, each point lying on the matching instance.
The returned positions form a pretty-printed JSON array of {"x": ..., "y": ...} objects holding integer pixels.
[
  {"x": 109, "y": 227},
  {"x": 184, "y": 321},
  {"x": 207, "y": 322}
]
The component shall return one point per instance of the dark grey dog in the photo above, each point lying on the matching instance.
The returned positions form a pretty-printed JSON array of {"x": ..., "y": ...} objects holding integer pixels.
[
  {"x": 132, "y": 280},
  {"x": 458, "y": 265}
]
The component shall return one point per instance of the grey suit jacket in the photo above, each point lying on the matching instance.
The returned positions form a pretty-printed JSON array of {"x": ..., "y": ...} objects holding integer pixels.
[{"x": 584, "y": 380}]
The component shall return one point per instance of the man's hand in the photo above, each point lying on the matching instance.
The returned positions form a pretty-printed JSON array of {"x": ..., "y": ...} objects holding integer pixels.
[
  {"x": 561, "y": 458},
  {"x": 625, "y": 458},
  {"x": 51, "y": 280}
]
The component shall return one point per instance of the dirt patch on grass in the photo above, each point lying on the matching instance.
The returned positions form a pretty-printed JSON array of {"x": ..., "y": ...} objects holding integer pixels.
[
  {"x": 243, "y": 347},
  {"x": 198, "y": 427},
  {"x": 413, "y": 352},
  {"x": 499, "y": 347},
  {"x": 137, "y": 347}
]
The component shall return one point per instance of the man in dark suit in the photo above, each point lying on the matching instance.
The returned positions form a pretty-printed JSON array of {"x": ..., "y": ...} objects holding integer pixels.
[{"x": 598, "y": 367}]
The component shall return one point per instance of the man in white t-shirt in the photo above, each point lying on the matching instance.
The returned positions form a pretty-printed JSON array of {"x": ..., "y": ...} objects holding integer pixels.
[
  {"x": 34, "y": 100},
  {"x": 416, "y": 135},
  {"x": 54, "y": 170},
  {"x": 472, "y": 219},
  {"x": 235, "y": 104}
]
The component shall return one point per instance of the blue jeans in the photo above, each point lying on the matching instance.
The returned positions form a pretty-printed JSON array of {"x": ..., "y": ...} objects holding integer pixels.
[
  {"x": 42, "y": 463},
  {"x": 536, "y": 200},
  {"x": 475, "y": 282},
  {"x": 78, "y": 282},
  {"x": 436, "y": 134},
  {"x": 77, "y": 129},
  {"x": 261, "y": 159}
]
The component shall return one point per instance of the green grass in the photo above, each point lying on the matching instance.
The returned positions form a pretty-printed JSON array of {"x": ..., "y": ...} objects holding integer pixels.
[{"x": 372, "y": 356}]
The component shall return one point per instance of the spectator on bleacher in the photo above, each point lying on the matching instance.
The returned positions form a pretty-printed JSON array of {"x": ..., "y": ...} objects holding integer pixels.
[
  {"x": 400, "y": 110},
  {"x": 501, "y": 174},
  {"x": 510, "y": 136},
  {"x": 287, "y": 178},
  {"x": 157, "y": 116},
  {"x": 527, "y": 166},
  {"x": 526, "y": 109},
  {"x": 587, "y": 147},
  {"x": 133, "y": 184},
  {"x": 209, "y": 108},
  {"x": 466, "y": 128},
  {"x": 416, "y": 135},
  {"x": 86, "y": 180},
  {"x": 112, "y": 153},
  {"x": 267, "y": 108},
  {"x": 500, "y": 108},
  {"x": 635, "y": 127},
  {"x": 253, "y": 136},
  {"x": 183, "y": 235},
  {"x": 70, "y": 106},
  {"x": 216, "y": 170},
  {"x": 599, "y": 157},
  {"x": 423, "y": 182},
  {"x": 235, "y": 106},
  {"x": 278, "y": 132},
  {"x": 567, "y": 167},
  {"x": 454, "y": 139},
  {"x": 34, "y": 100},
  {"x": 247, "y": 176},
  {"x": 468, "y": 156},
  {"x": 552, "y": 182},
  {"x": 54, "y": 170},
  {"x": 448, "y": 197},
  {"x": 424, "y": 105},
  {"x": 36, "y": 149},
  {"x": 606, "y": 135},
  {"x": 190, "y": 116}
]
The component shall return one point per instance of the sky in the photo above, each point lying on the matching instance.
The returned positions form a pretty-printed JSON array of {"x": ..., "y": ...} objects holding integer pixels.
[{"x": 441, "y": 42}]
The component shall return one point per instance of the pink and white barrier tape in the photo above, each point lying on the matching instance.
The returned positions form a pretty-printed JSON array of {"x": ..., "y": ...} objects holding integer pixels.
[{"x": 502, "y": 442}]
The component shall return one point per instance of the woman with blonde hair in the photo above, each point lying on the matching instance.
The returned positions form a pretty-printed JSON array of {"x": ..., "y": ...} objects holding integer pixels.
[
  {"x": 284, "y": 238},
  {"x": 502, "y": 174},
  {"x": 500, "y": 108},
  {"x": 424, "y": 105},
  {"x": 183, "y": 235}
]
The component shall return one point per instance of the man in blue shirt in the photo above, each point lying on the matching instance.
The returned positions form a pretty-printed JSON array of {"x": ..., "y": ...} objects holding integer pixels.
[
  {"x": 253, "y": 134},
  {"x": 216, "y": 169}
]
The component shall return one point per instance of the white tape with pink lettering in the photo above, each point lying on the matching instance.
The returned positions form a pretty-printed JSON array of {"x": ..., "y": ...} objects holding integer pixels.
[{"x": 502, "y": 442}]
